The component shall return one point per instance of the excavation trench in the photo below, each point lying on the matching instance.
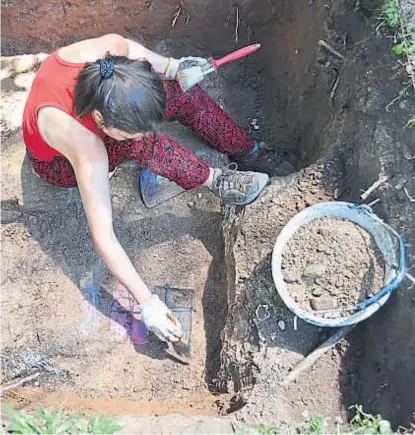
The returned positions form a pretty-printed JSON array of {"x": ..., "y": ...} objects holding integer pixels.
[{"x": 321, "y": 111}]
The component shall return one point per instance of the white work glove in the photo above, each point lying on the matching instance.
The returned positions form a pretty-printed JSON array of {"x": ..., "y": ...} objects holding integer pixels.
[
  {"x": 160, "y": 320},
  {"x": 174, "y": 65}
]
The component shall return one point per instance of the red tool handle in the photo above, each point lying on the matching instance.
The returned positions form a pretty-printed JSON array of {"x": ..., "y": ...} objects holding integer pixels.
[{"x": 238, "y": 54}]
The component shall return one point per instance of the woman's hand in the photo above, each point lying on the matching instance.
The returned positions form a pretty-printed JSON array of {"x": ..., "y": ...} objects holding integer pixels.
[
  {"x": 160, "y": 320},
  {"x": 174, "y": 65}
]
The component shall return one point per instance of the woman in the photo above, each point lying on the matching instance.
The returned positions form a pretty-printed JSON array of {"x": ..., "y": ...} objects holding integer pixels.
[{"x": 97, "y": 103}]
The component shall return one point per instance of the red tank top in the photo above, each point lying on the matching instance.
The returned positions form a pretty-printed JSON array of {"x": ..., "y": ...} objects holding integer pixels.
[{"x": 53, "y": 86}]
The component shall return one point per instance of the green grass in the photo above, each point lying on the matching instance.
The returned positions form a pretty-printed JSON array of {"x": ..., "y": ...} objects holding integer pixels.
[
  {"x": 316, "y": 425},
  {"x": 267, "y": 430},
  {"x": 360, "y": 424},
  {"x": 364, "y": 423},
  {"x": 44, "y": 421},
  {"x": 390, "y": 13},
  {"x": 392, "y": 16},
  {"x": 313, "y": 424},
  {"x": 404, "y": 30}
]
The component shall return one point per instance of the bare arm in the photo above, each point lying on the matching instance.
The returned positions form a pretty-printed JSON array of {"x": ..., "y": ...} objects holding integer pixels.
[
  {"x": 90, "y": 50},
  {"x": 158, "y": 62},
  {"x": 89, "y": 159},
  {"x": 92, "y": 177}
]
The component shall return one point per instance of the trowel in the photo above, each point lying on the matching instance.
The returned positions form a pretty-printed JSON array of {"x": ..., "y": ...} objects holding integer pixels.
[{"x": 178, "y": 350}]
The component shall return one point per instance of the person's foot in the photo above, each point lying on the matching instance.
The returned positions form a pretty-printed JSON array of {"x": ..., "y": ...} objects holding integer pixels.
[
  {"x": 263, "y": 160},
  {"x": 238, "y": 188}
]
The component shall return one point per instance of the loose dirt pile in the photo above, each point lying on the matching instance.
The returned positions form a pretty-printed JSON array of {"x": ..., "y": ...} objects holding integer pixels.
[{"x": 332, "y": 264}]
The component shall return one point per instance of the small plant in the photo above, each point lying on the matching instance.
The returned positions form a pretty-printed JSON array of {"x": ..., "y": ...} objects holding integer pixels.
[
  {"x": 390, "y": 13},
  {"x": 404, "y": 48},
  {"x": 44, "y": 421},
  {"x": 393, "y": 16},
  {"x": 404, "y": 30},
  {"x": 316, "y": 425},
  {"x": 313, "y": 425},
  {"x": 267, "y": 430},
  {"x": 363, "y": 423}
]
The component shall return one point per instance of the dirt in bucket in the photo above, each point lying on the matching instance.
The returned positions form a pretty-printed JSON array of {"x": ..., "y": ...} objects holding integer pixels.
[{"x": 332, "y": 264}]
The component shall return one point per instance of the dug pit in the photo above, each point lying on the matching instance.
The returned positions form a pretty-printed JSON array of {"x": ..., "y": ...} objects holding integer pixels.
[{"x": 325, "y": 114}]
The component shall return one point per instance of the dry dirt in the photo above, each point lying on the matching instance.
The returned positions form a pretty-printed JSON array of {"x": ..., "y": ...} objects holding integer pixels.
[
  {"x": 58, "y": 304},
  {"x": 332, "y": 264},
  {"x": 262, "y": 339},
  {"x": 307, "y": 102}
]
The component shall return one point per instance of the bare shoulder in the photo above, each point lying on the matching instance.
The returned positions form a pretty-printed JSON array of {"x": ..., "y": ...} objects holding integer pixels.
[
  {"x": 69, "y": 137},
  {"x": 90, "y": 50}
]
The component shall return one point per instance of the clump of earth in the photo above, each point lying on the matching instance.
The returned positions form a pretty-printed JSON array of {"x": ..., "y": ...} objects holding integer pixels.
[{"x": 331, "y": 264}]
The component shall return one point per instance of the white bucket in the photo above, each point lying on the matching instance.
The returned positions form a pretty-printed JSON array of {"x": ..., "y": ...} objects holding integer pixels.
[{"x": 390, "y": 244}]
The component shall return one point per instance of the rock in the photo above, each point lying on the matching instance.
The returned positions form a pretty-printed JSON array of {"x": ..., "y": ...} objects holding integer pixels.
[
  {"x": 199, "y": 196},
  {"x": 314, "y": 271},
  {"x": 323, "y": 304},
  {"x": 281, "y": 325},
  {"x": 296, "y": 290},
  {"x": 291, "y": 277},
  {"x": 263, "y": 312},
  {"x": 309, "y": 199},
  {"x": 385, "y": 427},
  {"x": 284, "y": 169},
  {"x": 316, "y": 292},
  {"x": 299, "y": 205},
  {"x": 191, "y": 204},
  {"x": 337, "y": 193}
]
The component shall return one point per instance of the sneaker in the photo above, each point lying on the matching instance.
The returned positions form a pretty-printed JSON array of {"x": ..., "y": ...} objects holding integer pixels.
[
  {"x": 260, "y": 159},
  {"x": 238, "y": 188}
]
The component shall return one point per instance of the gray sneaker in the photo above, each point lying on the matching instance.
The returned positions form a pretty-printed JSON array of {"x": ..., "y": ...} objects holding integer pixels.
[{"x": 238, "y": 188}]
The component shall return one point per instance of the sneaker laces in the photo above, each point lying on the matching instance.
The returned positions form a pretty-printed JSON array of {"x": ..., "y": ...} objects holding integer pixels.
[{"x": 236, "y": 180}]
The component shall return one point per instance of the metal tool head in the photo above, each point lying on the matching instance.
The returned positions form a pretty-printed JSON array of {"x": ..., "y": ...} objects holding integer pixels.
[{"x": 180, "y": 351}]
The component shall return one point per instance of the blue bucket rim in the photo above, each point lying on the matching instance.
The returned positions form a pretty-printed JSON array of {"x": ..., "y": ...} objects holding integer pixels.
[{"x": 362, "y": 310}]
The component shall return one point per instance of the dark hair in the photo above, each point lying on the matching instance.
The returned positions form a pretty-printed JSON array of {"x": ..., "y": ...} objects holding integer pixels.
[{"x": 126, "y": 92}]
